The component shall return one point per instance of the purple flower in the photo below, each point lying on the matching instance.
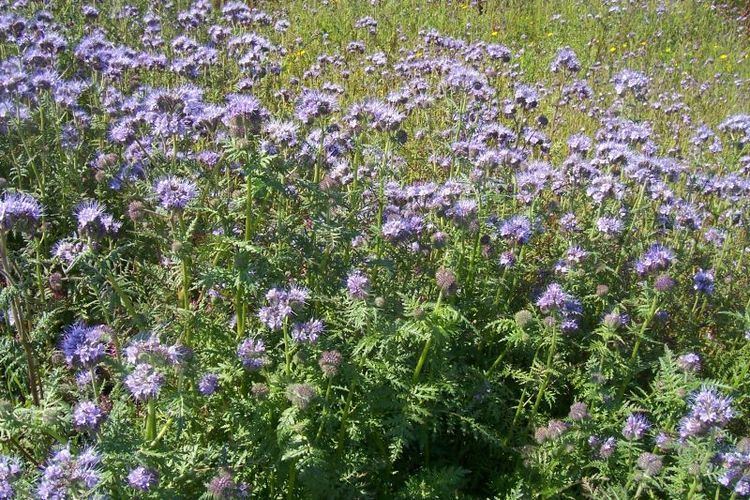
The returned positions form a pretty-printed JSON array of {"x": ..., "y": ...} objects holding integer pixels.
[
  {"x": 252, "y": 354},
  {"x": 689, "y": 362},
  {"x": 19, "y": 212},
  {"x": 578, "y": 411},
  {"x": 663, "y": 283},
  {"x": 463, "y": 210},
  {"x": 635, "y": 426},
  {"x": 329, "y": 363},
  {"x": 565, "y": 59},
  {"x": 313, "y": 104},
  {"x": 507, "y": 259},
  {"x": 610, "y": 226},
  {"x": 10, "y": 469},
  {"x": 553, "y": 298},
  {"x": 526, "y": 96},
  {"x": 208, "y": 384},
  {"x": 87, "y": 415},
  {"x": 736, "y": 465},
  {"x": 604, "y": 449},
  {"x": 650, "y": 463},
  {"x": 175, "y": 193},
  {"x": 244, "y": 114},
  {"x": 283, "y": 134},
  {"x": 657, "y": 258},
  {"x": 143, "y": 479},
  {"x": 308, "y": 332},
  {"x": 84, "y": 345},
  {"x": 281, "y": 304},
  {"x": 709, "y": 410},
  {"x": 357, "y": 285},
  {"x": 68, "y": 251},
  {"x": 223, "y": 484},
  {"x": 703, "y": 282},
  {"x": 144, "y": 382},
  {"x": 631, "y": 81},
  {"x": 64, "y": 474},
  {"x": 151, "y": 349},
  {"x": 517, "y": 229},
  {"x": 93, "y": 221}
]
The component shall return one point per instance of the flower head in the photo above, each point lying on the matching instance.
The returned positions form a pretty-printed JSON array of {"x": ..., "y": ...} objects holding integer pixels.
[
  {"x": 175, "y": 193},
  {"x": 144, "y": 382},
  {"x": 208, "y": 384},
  {"x": 703, "y": 282},
  {"x": 19, "y": 212},
  {"x": 308, "y": 332},
  {"x": 84, "y": 345},
  {"x": 142, "y": 479},
  {"x": 64, "y": 473},
  {"x": 358, "y": 285},
  {"x": 708, "y": 410},
  {"x": 252, "y": 353},
  {"x": 88, "y": 415},
  {"x": 636, "y": 426}
]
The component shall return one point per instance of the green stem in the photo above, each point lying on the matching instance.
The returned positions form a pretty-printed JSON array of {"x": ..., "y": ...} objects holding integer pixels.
[
  {"x": 497, "y": 362},
  {"x": 151, "y": 420},
  {"x": 344, "y": 421},
  {"x": 426, "y": 349},
  {"x": 292, "y": 480},
  {"x": 287, "y": 348},
  {"x": 636, "y": 347},
  {"x": 124, "y": 299},
  {"x": 519, "y": 408},
  {"x": 162, "y": 431},
  {"x": 547, "y": 368},
  {"x": 324, "y": 412},
  {"x": 93, "y": 383},
  {"x": 19, "y": 321}
]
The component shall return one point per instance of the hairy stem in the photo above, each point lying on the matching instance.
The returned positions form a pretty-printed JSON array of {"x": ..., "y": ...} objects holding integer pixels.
[
  {"x": 151, "y": 420},
  {"x": 19, "y": 322},
  {"x": 426, "y": 349},
  {"x": 547, "y": 368},
  {"x": 634, "y": 354}
]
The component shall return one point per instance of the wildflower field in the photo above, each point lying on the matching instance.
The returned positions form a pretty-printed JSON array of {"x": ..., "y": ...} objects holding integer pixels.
[{"x": 374, "y": 249}]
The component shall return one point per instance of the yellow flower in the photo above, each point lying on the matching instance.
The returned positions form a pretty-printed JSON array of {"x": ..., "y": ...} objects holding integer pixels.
[
  {"x": 550, "y": 34},
  {"x": 612, "y": 49},
  {"x": 494, "y": 33},
  {"x": 723, "y": 56}
]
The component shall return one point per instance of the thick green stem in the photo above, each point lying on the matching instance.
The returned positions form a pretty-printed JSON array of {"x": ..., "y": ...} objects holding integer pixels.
[
  {"x": 151, "y": 420},
  {"x": 292, "y": 480},
  {"x": 497, "y": 362},
  {"x": 19, "y": 321},
  {"x": 344, "y": 422},
  {"x": 324, "y": 412},
  {"x": 426, "y": 349},
  {"x": 547, "y": 368},
  {"x": 93, "y": 383},
  {"x": 637, "y": 345},
  {"x": 287, "y": 348},
  {"x": 125, "y": 300}
]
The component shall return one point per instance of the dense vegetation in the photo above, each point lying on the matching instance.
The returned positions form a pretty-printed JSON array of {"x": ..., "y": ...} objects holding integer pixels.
[{"x": 389, "y": 249}]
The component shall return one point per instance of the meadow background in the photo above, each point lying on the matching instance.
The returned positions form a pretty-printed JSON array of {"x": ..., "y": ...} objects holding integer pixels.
[{"x": 386, "y": 249}]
